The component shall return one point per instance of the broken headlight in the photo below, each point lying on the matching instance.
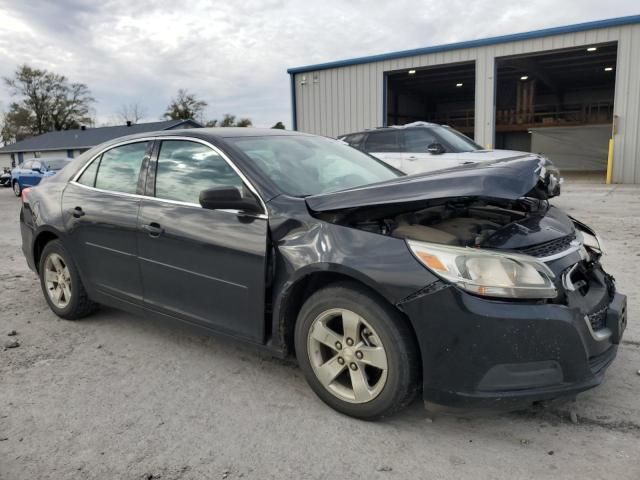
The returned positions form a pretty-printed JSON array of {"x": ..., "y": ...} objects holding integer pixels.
[
  {"x": 486, "y": 272},
  {"x": 590, "y": 238}
]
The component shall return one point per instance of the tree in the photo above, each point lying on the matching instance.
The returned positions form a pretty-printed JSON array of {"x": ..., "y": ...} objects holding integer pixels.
[
  {"x": 15, "y": 124},
  {"x": 45, "y": 101},
  {"x": 132, "y": 112},
  {"x": 229, "y": 120},
  {"x": 279, "y": 126},
  {"x": 185, "y": 106}
]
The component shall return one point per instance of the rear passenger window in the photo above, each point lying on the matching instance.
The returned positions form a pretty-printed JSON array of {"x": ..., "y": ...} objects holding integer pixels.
[
  {"x": 186, "y": 168},
  {"x": 382, "y": 142},
  {"x": 119, "y": 168},
  {"x": 355, "y": 140},
  {"x": 88, "y": 177}
]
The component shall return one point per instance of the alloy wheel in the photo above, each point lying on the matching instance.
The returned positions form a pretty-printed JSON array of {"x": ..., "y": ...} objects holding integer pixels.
[
  {"x": 347, "y": 356},
  {"x": 57, "y": 280}
]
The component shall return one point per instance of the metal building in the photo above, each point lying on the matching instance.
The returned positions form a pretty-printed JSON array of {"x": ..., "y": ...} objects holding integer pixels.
[{"x": 560, "y": 91}]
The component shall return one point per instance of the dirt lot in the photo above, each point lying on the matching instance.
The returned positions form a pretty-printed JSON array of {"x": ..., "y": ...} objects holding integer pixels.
[{"x": 119, "y": 396}]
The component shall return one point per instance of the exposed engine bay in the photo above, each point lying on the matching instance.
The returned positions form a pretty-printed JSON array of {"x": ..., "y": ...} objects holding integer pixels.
[
  {"x": 456, "y": 222},
  {"x": 461, "y": 225}
]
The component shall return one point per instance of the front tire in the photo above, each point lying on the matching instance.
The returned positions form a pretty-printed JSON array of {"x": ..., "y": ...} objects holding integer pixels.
[
  {"x": 61, "y": 284},
  {"x": 356, "y": 352},
  {"x": 17, "y": 188}
]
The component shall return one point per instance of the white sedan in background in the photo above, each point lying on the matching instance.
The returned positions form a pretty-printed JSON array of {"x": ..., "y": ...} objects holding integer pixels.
[{"x": 423, "y": 147}]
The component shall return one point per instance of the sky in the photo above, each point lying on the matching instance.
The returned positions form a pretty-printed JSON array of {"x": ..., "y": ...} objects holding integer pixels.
[{"x": 234, "y": 54}]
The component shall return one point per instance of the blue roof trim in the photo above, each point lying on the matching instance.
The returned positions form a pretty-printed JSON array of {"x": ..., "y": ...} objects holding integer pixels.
[{"x": 578, "y": 27}]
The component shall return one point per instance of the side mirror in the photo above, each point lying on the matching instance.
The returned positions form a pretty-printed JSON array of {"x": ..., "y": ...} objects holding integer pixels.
[
  {"x": 230, "y": 198},
  {"x": 435, "y": 149},
  {"x": 36, "y": 169}
]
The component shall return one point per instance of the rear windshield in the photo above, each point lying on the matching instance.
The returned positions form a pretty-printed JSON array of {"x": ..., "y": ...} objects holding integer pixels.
[
  {"x": 54, "y": 164},
  {"x": 307, "y": 165}
]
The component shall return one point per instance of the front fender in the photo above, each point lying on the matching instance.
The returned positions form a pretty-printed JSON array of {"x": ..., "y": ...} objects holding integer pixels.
[{"x": 304, "y": 245}]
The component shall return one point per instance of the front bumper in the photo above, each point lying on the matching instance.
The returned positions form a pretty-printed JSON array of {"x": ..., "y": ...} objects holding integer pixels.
[{"x": 484, "y": 353}]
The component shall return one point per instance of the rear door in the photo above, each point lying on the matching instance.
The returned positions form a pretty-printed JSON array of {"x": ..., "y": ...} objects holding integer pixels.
[
  {"x": 416, "y": 158},
  {"x": 100, "y": 211},
  {"x": 384, "y": 144},
  {"x": 204, "y": 266}
]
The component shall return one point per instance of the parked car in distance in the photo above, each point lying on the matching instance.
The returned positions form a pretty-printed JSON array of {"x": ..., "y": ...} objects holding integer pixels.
[
  {"x": 466, "y": 286},
  {"x": 31, "y": 172},
  {"x": 423, "y": 147},
  {"x": 5, "y": 177}
]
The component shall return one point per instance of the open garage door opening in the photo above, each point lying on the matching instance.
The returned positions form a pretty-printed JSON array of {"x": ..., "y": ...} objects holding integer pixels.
[
  {"x": 443, "y": 94},
  {"x": 559, "y": 104}
]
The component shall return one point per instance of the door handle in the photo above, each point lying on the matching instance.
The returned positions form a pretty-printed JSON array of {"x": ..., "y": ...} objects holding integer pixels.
[
  {"x": 412, "y": 158},
  {"x": 77, "y": 212},
  {"x": 153, "y": 229}
]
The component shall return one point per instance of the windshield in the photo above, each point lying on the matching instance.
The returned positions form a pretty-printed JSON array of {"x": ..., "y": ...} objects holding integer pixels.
[
  {"x": 307, "y": 165},
  {"x": 455, "y": 141},
  {"x": 54, "y": 164}
]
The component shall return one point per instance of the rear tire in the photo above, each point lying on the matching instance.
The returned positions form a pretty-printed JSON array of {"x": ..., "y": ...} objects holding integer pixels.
[
  {"x": 61, "y": 284},
  {"x": 357, "y": 353},
  {"x": 17, "y": 188}
]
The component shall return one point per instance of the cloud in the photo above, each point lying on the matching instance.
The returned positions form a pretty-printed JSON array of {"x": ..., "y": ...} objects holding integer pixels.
[{"x": 234, "y": 55}]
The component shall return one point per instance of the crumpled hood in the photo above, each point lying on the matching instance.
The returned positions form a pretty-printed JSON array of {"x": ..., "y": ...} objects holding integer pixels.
[
  {"x": 509, "y": 179},
  {"x": 488, "y": 155}
]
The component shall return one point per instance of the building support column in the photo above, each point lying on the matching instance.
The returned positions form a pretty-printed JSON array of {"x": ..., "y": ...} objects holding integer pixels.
[{"x": 484, "y": 125}]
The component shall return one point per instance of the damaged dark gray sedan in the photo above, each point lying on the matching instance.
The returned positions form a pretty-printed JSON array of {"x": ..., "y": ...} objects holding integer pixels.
[{"x": 465, "y": 286}]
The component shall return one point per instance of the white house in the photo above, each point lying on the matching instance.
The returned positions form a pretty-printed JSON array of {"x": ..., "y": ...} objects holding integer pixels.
[{"x": 71, "y": 143}]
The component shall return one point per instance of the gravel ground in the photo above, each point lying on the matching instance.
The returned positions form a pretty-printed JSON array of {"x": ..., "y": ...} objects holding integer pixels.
[{"x": 119, "y": 396}]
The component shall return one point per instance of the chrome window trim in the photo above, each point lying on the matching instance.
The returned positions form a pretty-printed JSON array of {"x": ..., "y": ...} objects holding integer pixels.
[
  {"x": 244, "y": 179},
  {"x": 162, "y": 200}
]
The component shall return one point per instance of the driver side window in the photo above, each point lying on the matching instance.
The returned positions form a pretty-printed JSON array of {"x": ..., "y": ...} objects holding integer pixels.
[{"x": 186, "y": 168}]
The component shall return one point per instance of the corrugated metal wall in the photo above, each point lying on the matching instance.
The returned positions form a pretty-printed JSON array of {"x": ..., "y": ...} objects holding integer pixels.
[{"x": 346, "y": 99}]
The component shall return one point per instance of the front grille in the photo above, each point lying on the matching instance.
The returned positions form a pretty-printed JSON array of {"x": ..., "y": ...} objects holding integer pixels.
[
  {"x": 550, "y": 248},
  {"x": 598, "y": 319}
]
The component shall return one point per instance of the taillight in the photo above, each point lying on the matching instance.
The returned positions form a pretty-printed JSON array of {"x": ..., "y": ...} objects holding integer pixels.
[{"x": 24, "y": 196}]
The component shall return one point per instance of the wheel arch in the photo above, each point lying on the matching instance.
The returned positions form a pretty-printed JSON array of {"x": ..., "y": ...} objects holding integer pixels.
[
  {"x": 40, "y": 240},
  {"x": 310, "y": 281}
]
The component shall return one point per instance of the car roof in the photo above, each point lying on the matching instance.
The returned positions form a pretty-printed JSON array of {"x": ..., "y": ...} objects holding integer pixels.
[
  {"x": 211, "y": 133},
  {"x": 46, "y": 159},
  {"x": 407, "y": 126}
]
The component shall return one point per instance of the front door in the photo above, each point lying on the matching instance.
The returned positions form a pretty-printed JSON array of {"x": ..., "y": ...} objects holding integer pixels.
[
  {"x": 416, "y": 158},
  {"x": 100, "y": 212},
  {"x": 203, "y": 266},
  {"x": 25, "y": 174}
]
